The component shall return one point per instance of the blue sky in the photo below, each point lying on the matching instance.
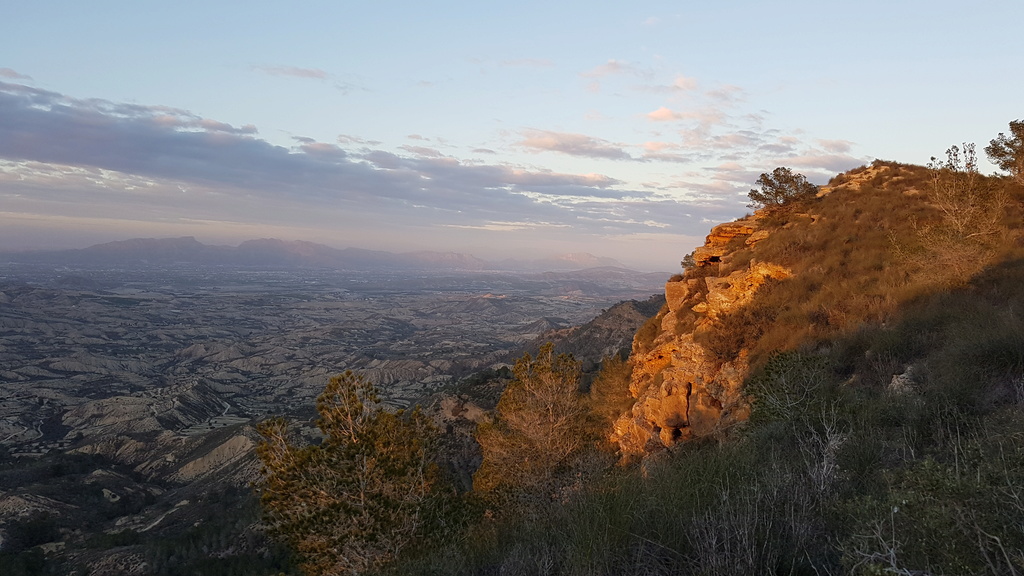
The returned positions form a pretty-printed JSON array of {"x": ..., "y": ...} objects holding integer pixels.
[{"x": 497, "y": 129}]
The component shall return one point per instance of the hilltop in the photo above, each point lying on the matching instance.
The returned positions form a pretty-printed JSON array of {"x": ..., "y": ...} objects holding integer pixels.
[
  {"x": 834, "y": 385},
  {"x": 853, "y": 258}
]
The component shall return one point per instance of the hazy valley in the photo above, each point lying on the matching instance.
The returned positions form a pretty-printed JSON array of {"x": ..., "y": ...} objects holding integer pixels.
[{"x": 157, "y": 372}]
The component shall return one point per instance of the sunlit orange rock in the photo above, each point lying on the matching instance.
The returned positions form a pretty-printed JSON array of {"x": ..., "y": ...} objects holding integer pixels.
[
  {"x": 682, "y": 390},
  {"x": 716, "y": 244}
]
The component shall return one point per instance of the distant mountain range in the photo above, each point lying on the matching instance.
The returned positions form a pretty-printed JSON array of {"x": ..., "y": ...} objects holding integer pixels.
[{"x": 271, "y": 252}]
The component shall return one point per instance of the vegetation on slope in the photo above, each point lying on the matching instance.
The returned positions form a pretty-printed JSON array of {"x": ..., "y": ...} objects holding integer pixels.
[
  {"x": 365, "y": 493},
  {"x": 72, "y": 539},
  {"x": 887, "y": 395}
]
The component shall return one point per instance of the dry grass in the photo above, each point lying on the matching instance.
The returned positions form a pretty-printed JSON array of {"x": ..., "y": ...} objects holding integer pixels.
[{"x": 858, "y": 255}]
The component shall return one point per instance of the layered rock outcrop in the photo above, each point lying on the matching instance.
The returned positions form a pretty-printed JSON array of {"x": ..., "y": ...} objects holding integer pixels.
[{"x": 683, "y": 390}]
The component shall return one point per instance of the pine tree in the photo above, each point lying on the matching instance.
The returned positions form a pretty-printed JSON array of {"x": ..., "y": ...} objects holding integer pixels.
[
  {"x": 1007, "y": 152},
  {"x": 365, "y": 493},
  {"x": 538, "y": 432},
  {"x": 780, "y": 187}
]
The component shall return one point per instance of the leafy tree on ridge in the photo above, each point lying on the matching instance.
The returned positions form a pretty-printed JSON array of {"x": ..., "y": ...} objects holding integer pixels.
[
  {"x": 366, "y": 492},
  {"x": 1007, "y": 152},
  {"x": 779, "y": 188}
]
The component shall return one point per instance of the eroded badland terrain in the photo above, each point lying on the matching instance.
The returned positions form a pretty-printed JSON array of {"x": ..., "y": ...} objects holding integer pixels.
[{"x": 129, "y": 394}]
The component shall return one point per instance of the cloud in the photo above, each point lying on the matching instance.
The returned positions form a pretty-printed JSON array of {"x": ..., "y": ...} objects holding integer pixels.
[
  {"x": 502, "y": 226},
  {"x": 832, "y": 163},
  {"x": 573, "y": 145},
  {"x": 705, "y": 116},
  {"x": 350, "y": 139},
  {"x": 547, "y": 178},
  {"x": 654, "y": 146},
  {"x": 778, "y": 147},
  {"x": 740, "y": 142},
  {"x": 727, "y": 167},
  {"x": 609, "y": 68},
  {"x": 528, "y": 63},
  {"x": 294, "y": 72},
  {"x": 684, "y": 83},
  {"x": 157, "y": 143},
  {"x": 836, "y": 146},
  {"x": 679, "y": 84},
  {"x": 323, "y": 150},
  {"x": 214, "y": 126},
  {"x": 733, "y": 173},
  {"x": 664, "y": 114},
  {"x": 422, "y": 151},
  {"x": 668, "y": 157},
  {"x": 9, "y": 73},
  {"x": 727, "y": 94},
  {"x": 73, "y": 157},
  {"x": 665, "y": 152}
]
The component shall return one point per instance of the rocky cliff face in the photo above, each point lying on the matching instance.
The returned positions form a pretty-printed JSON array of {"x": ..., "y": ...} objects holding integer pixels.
[{"x": 684, "y": 390}]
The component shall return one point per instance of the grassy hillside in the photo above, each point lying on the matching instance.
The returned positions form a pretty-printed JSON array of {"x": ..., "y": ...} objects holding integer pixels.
[{"x": 886, "y": 433}]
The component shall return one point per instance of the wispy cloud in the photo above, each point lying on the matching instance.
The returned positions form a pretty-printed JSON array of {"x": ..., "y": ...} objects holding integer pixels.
[
  {"x": 9, "y": 73},
  {"x": 503, "y": 226},
  {"x": 727, "y": 94},
  {"x": 679, "y": 84},
  {"x": 423, "y": 151},
  {"x": 528, "y": 63},
  {"x": 610, "y": 68},
  {"x": 665, "y": 152},
  {"x": 836, "y": 146},
  {"x": 294, "y": 72},
  {"x": 323, "y": 150},
  {"x": 351, "y": 139},
  {"x": 663, "y": 114},
  {"x": 825, "y": 164},
  {"x": 572, "y": 144}
]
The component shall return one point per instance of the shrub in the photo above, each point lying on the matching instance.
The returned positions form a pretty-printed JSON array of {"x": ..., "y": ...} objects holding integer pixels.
[
  {"x": 362, "y": 496},
  {"x": 609, "y": 394},
  {"x": 537, "y": 435}
]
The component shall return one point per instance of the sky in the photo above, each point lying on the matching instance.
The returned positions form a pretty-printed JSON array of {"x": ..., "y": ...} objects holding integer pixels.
[{"x": 523, "y": 129}]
